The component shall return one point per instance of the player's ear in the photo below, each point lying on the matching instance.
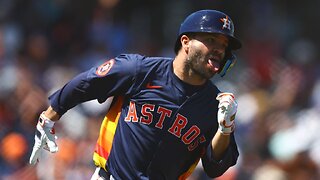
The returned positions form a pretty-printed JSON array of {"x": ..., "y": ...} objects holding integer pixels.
[{"x": 185, "y": 41}]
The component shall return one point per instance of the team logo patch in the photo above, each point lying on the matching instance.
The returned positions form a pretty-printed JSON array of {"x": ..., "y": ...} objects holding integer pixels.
[
  {"x": 226, "y": 23},
  {"x": 104, "y": 68}
]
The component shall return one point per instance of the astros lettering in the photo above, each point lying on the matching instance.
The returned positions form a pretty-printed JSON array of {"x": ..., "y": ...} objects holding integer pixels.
[{"x": 190, "y": 137}]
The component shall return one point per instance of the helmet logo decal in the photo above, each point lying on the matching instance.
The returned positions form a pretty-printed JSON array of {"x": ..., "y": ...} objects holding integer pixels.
[{"x": 226, "y": 23}]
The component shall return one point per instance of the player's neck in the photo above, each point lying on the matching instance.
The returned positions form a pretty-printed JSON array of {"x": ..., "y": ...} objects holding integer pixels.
[{"x": 184, "y": 74}]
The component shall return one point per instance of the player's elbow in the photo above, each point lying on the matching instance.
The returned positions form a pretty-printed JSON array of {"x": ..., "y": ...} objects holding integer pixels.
[
  {"x": 214, "y": 174},
  {"x": 215, "y": 170}
]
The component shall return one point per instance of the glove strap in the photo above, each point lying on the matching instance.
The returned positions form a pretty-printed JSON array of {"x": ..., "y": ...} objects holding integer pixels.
[
  {"x": 226, "y": 131},
  {"x": 44, "y": 121}
]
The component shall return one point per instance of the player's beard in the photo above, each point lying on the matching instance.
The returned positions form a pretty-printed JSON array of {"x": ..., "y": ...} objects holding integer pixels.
[{"x": 197, "y": 63}]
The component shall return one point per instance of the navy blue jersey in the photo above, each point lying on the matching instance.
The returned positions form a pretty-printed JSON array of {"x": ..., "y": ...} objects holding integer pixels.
[{"x": 162, "y": 126}]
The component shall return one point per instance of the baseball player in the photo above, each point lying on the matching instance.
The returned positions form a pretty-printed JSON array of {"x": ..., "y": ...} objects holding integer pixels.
[{"x": 166, "y": 114}]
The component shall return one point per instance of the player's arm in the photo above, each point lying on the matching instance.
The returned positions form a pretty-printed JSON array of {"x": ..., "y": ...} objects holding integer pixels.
[
  {"x": 73, "y": 93},
  {"x": 216, "y": 167},
  {"x": 227, "y": 110},
  {"x": 114, "y": 77},
  {"x": 222, "y": 152},
  {"x": 219, "y": 145},
  {"x": 52, "y": 114}
]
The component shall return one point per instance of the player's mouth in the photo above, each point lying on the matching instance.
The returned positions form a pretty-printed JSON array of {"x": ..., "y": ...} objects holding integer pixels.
[{"x": 214, "y": 64}]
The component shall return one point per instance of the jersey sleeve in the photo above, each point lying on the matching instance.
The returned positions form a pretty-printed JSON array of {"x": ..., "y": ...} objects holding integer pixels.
[
  {"x": 215, "y": 168},
  {"x": 114, "y": 77}
]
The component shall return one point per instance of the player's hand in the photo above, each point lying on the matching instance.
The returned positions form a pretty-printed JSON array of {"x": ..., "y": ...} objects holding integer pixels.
[
  {"x": 227, "y": 112},
  {"x": 43, "y": 139}
]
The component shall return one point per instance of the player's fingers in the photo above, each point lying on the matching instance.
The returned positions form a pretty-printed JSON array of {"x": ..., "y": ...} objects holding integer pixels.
[
  {"x": 224, "y": 104},
  {"x": 35, "y": 155},
  {"x": 51, "y": 144},
  {"x": 53, "y": 147},
  {"x": 223, "y": 95},
  {"x": 227, "y": 124},
  {"x": 226, "y": 101},
  {"x": 36, "y": 151},
  {"x": 222, "y": 113},
  {"x": 45, "y": 147}
]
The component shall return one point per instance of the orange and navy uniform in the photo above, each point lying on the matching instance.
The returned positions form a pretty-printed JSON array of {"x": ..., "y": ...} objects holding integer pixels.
[{"x": 158, "y": 127}]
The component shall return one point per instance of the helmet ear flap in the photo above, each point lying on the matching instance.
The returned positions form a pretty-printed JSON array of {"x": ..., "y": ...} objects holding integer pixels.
[{"x": 230, "y": 62}]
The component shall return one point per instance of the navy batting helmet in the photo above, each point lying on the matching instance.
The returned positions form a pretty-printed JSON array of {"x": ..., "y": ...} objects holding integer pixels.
[{"x": 209, "y": 21}]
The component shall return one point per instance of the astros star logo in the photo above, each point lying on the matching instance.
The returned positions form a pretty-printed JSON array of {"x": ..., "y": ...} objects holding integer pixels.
[{"x": 226, "y": 23}]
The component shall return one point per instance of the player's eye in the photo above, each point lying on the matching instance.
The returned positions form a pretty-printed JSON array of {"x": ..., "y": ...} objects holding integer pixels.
[{"x": 213, "y": 41}]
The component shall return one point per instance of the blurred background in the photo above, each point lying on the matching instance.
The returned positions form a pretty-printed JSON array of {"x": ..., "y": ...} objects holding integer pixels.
[{"x": 44, "y": 43}]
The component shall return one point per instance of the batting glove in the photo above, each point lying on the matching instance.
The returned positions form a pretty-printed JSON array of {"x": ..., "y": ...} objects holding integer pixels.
[
  {"x": 43, "y": 139},
  {"x": 227, "y": 112}
]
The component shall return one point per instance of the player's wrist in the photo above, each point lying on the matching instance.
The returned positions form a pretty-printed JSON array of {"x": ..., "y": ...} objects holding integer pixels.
[
  {"x": 226, "y": 130},
  {"x": 44, "y": 121}
]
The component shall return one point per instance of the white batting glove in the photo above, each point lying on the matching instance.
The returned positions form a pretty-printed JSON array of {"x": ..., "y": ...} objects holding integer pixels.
[
  {"x": 44, "y": 138},
  {"x": 227, "y": 112}
]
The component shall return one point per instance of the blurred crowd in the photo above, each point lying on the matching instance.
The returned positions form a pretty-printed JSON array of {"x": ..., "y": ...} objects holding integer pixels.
[{"x": 43, "y": 44}]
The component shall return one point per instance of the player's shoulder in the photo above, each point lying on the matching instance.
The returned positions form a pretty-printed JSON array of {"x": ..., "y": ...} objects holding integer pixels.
[
  {"x": 130, "y": 57},
  {"x": 145, "y": 61},
  {"x": 144, "y": 57}
]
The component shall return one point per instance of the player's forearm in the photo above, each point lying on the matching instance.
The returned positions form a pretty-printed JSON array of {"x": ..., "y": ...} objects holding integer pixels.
[
  {"x": 52, "y": 114},
  {"x": 219, "y": 144}
]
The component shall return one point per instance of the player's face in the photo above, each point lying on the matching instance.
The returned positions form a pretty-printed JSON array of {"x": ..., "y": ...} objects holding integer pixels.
[{"x": 206, "y": 53}]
